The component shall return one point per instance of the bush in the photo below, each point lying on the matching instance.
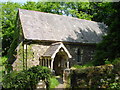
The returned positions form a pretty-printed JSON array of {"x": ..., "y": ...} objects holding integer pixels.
[
  {"x": 6, "y": 67},
  {"x": 53, "y": 82},
  {"x": 105, "y": 76},
  {"x": 3, "y": 63},
  {"x": 27, "y": 79},
  {"x": 89, "y": 64},
  {"x": 117, "y": 60},
  {"x": 3, "y": 60},
  {"x": 78, "y": 66},
  {"x": 107, "y": 62}
]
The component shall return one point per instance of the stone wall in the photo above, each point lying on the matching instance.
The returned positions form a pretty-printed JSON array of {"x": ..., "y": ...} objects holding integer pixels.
[
  {"x": 105, "y": 76},
  {"x": 29, "y": 55},
  {"x": 18, "y": 63},
  {"x": 85, "y": 53}
]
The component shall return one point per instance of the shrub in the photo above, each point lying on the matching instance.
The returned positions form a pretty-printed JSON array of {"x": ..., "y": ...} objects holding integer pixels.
[
  {"x": 78, "y": 66},
  {"x": 105, "y": 76},
  {"x": 8, "y": 79},
  {"x": 3, "y": 60},
  {"x": 53, "y": 82},
  {"x": 117, "y": 60},
  {"x": 107, "y": 62},
  {"x": 3, "y": 63},
  {"x": 26, "y": 79},
  {"x": 89, "y": 64}
]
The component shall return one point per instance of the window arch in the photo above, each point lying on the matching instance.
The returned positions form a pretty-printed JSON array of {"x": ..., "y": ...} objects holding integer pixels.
[{"x": 79, "y": 55}]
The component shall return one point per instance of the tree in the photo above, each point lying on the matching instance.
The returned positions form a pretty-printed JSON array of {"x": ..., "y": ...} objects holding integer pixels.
[
  {"x": 109, "y": 48},
  {"x": 9, "y": 11},
  {"x": 98, "y": 11},
  {"x": 77, "y": 9}
]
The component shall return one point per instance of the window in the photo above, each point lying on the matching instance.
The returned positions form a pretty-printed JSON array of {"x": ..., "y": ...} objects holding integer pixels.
[
  {"x": 92, "y": 54},
  {"x": 79, "y": 55}
]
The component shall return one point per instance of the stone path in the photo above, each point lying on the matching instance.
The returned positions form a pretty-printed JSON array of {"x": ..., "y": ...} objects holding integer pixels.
[{"x": 61, "y": 85}]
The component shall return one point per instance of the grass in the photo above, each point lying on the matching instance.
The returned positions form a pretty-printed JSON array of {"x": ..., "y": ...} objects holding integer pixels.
[
  {"x": 89, "y": 64},
  {"x": 53, "y": 82}
]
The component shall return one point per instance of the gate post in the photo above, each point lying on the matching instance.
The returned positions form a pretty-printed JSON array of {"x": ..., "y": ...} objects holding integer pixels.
[{"x": 66, "y": 73}]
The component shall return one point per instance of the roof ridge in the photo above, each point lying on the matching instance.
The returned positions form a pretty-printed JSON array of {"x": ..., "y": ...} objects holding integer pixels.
[
  {"x": 59, "y": 15},
  {"x": 39, "y": 26}
]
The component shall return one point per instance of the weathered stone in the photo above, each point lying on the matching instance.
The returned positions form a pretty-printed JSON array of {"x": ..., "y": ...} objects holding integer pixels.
[
  {"x": 73, "y": 40},
  {"x": 41, "y": 84}
]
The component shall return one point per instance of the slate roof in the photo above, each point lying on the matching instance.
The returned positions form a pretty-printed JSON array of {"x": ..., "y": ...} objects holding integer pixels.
[
  {"x": 50, "y": 51},
  {"x": 54, "y": 48},
  {"x": 52, "y": 27}
]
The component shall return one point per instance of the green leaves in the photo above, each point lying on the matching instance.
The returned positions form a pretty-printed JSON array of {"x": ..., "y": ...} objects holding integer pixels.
[
  {"x": 107, "y": 12},
  {"x": 9, "y": 11},
  {"x": 26, "y": 79},
  {"x": 105, "y": 76},
  {"x": 80, "y": 10},
  {"x": 109, "y": 48}
]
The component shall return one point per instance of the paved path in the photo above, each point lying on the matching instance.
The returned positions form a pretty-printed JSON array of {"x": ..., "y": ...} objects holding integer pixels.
[{"x": 61, "y": 85}]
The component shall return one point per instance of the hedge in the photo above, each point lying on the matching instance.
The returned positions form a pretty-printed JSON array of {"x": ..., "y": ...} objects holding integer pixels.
[
  {"x": 26, "y": 79},
  {"x": 105, "y": 76}
]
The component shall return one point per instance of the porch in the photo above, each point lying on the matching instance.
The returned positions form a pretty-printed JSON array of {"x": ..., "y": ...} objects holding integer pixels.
[{"x": 56, "y": 58}]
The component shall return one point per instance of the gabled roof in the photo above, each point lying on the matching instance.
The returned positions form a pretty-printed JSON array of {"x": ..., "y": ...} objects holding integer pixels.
[
  {"x": 52, "y": 27},
  {"x": 54, "y": 49}
]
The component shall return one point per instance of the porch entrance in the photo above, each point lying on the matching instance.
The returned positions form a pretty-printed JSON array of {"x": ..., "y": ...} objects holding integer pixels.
[
  {"x": 56, "y": 58},
  {"x": 60, "y": 62}
]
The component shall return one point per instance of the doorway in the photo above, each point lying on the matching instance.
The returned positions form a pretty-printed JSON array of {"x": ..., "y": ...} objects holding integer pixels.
[{"x": 60, "y": 62}]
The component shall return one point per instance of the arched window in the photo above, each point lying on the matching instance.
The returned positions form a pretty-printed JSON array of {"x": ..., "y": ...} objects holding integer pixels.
[{"x": 79, "y": 55}]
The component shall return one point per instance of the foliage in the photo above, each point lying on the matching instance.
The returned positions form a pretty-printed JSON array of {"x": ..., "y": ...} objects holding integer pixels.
[
  {"x": 78, "y": 66},
  {"x": 53, "y": 82},
  {"x": 89, "y": 64},
  {"x": 117, "y": 60},
  {"x": 105, "y": 76},
  {"x": 109, "y": 48},
  {"x": 3, "y": 64},
  {"x": 9, "y": 15},
  {"x": 8, "y": 79},
  {"x": 107, "y": 62},
  {"x": 77, "y": 9},
  {"x": 9, "y": 11},
  {"x": 107, "y": 12},
  {"x": 26, "y": 79},
  {"x": 115, "y": 85},
  {"x": 3, "y": 60}
]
